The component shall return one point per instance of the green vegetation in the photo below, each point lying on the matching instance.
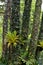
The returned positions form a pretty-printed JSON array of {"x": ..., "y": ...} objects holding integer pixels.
[
  {"x": 20, "y": 49},
  {"x": 1, "y": 21}
]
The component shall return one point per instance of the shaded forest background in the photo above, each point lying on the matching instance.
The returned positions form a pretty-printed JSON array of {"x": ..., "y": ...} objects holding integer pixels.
[{"x": 21, "y": 32}]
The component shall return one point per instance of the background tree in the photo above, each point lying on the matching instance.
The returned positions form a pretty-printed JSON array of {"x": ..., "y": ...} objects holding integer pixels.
[
  {"x": 15, "y": 26},
  {"x": 35, "y": 30},
  {"x": 41, "y": 29},
  {"x": 25, "y": 28},
  {"x": 40, "y": 38},
  {"x": 25, "y": 18},
  {"x": 15, "y": 23},
  {"x": 5, "y": 26}
]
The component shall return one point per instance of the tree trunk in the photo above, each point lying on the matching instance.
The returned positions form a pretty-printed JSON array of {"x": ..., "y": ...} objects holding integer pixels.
[
  {"x": 25, "y": 27},
  {"x": 35, "y": 30},
  {"x": 26, "y": 18},
  {"x": 15, "y": 26},
  {"x": 15, "y": 23},
  {"x": 5, "y": 27},
  {"x": 40, "y": 38},
  {"x": 41, "y": 29}
]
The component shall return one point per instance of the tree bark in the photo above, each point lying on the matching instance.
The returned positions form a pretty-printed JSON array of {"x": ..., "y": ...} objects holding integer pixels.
[
  {"x": 26, "y": 18},
  {"x": 5, "y": 26},
  {"x": 40, "y": 38},
  {"x": 41, "y": 29},
  {"x": 15, "y": 23},
  {"x": 25, "y": 27},
  {"x": 15, "y": 26},
  {"x": 35, "y": 30}
]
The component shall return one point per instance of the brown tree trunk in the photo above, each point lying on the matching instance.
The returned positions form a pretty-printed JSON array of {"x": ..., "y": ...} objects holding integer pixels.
[
  {"x": 41, "y": 29},
  {"x": 26, "y": 18},
  {"x": 15, "y": 26},
  {"x": 40, "y": 38},
  {"x": 5, "y": 26},
  {"x": 35, "y": 30},
  {"x": 25, "y": 26},
  {"x": 15, "y": 23}
]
